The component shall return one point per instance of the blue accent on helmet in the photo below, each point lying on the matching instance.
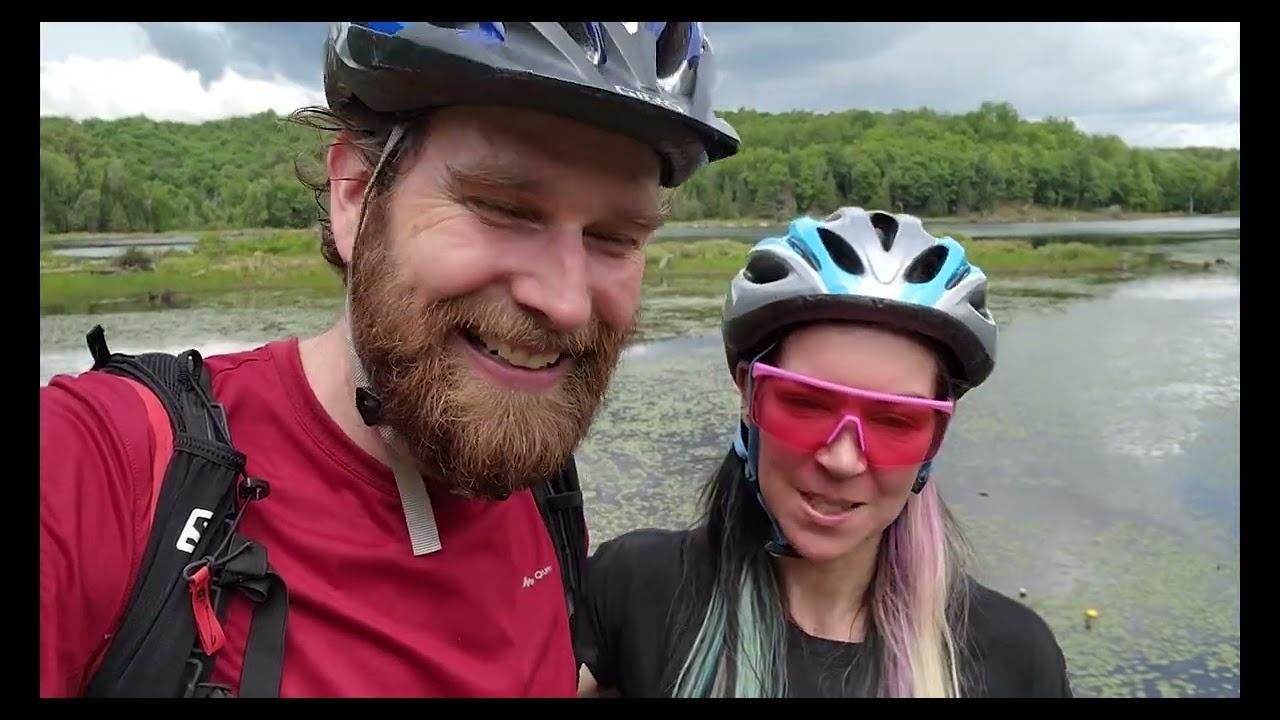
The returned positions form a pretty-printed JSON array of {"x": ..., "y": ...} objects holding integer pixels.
[
  {"x": 386, "y": 28},
  {"x": 695, "y": 42},
  {"x": 960, "y": 274},
  {"x": 802, "y": 239},
  {"x": 929, "y": 293},
  {"x": 596, "y": 32},
  {"x": 485, "y": 33},
  {"x": 834, "y": 278}
]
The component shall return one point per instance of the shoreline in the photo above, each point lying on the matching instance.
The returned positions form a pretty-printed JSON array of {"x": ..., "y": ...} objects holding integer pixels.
[
  {"x": 1029, "y": 215},
  {"x": 288, "y": 264}
]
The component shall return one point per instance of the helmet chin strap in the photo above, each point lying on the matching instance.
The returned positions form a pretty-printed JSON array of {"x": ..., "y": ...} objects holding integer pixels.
[
  {"x": 922, "y": 477},
  {"x": 424, "y": 536},
  {"x": 746, "y": 443},
  {"x": 749, "y": 451}
]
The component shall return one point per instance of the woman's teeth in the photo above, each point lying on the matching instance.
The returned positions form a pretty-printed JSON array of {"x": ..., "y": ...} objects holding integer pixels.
[{"x": 827, "y": 506}]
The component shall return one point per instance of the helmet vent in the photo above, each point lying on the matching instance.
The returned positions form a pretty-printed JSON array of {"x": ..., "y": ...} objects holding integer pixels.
[
  {"x": 843, "y": 255},
  {"x": 804, "y": 252},
  {"x": 764, "y": 268},
  {"x": 961, "y": 273},
  {"x": 926, "y": 265},
  {"x": 978, "y": 301},
  {"x": 673, "y": 47},
  {"x": 886, "y": 227},
  {"x": 588, "y": 38}
]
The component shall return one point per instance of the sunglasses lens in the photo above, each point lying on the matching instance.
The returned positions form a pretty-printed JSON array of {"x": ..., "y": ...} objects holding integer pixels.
[{"x": 803, "y": 417}]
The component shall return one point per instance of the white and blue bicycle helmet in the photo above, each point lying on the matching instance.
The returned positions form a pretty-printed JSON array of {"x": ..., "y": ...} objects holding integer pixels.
[{"x": 867, "y": 266}]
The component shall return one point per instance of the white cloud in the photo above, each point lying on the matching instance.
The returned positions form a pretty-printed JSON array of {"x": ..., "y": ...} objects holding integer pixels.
[
  {"x": 110, "y": 88},
  {"x": 1164, "y": 134},
  {"x": 1150, "y": 83},
  {"x": 59, "y": 40}
]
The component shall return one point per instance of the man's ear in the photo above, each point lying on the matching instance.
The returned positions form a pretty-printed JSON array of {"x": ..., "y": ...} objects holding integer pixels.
[{"x": 348, "y": 178}]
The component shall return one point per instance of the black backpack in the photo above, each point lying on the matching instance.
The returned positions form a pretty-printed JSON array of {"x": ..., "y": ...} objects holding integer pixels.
[{"x": 171, "y": 628}]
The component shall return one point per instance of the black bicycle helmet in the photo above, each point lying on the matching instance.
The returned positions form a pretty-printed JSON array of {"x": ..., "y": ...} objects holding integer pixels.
[{"x": 650, "y": 81}]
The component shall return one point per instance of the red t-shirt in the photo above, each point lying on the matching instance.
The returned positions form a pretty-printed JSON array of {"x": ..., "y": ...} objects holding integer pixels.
[{"x": 366, "y": 617}]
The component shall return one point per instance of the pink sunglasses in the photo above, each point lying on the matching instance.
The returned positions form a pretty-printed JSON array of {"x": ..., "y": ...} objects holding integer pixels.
[{"x": 806, "y": 414}]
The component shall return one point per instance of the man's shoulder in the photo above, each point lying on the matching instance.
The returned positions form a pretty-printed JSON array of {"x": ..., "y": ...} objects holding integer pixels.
[
  {"x": 108, "y": 405},
  {"x": 249, "y": 365},
  {"x": 91, "y": 402},
  {"x": 234, "y": 365},
  {"x": 261, "y": 384}
]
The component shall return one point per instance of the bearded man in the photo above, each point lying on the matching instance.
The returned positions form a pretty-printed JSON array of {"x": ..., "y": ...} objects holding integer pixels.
[{"x": 490, "y": 189}]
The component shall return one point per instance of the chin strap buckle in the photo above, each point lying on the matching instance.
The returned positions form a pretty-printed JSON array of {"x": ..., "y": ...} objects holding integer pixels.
[
  {"x": 922, "y": 477},
  {"x": 369, "y": 405}
]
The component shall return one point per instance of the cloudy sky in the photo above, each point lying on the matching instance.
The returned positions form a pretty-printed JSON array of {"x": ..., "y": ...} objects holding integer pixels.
[{"x": 1153, "y": 84}]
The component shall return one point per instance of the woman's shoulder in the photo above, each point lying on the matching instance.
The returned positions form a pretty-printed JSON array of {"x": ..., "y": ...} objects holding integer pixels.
[
  {"x": 1014, "y": 646},
  {"x": 646, "y": 551},
  {"x": 645, "y": 540},
  {"x": 1001, "y": 615},
  {"x": 630, "y": 593}
]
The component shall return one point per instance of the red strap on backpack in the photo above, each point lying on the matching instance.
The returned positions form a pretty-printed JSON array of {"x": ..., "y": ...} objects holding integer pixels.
[{"x": 162, "y": 435}]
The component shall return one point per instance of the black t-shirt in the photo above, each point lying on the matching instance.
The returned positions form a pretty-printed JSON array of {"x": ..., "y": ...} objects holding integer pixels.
[{"x": 628, "y": 630}]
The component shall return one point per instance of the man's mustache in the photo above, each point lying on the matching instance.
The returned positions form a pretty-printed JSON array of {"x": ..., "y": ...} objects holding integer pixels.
[{"x": 506, "y": 322}]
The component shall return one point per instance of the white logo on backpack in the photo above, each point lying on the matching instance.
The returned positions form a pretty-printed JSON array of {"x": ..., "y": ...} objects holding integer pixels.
[{"x": 196, "y": 524}]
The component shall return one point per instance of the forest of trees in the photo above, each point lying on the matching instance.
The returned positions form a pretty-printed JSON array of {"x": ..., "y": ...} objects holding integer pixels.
[{"x": 139, "y": 175}]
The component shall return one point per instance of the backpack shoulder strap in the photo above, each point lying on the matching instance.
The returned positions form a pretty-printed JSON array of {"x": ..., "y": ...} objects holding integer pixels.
[
  {"x": 169, "y": 631},
  {"x": 560, "y": 502},
  {"x": 180, "y": 382}
]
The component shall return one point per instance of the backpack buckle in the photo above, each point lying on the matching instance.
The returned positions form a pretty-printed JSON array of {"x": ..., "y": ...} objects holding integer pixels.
[
  {"x": 253, "y": 489},
  {"x": 97, "y": 341}
]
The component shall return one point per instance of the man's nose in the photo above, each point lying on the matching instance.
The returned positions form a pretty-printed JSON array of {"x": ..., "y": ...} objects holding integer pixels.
[{"x": 553, "y": 284}]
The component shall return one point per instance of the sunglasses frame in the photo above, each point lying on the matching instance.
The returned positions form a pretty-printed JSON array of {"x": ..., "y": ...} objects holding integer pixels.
[{"x": 761, "y": 369}]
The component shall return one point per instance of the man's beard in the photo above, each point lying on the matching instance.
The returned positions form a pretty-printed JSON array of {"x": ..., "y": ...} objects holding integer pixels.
[{"x": 469, "y": 434}]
